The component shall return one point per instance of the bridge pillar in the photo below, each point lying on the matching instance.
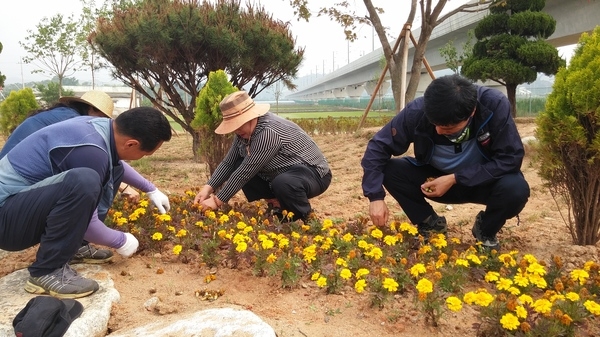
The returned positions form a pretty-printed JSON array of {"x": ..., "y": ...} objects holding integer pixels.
[
  {"x": 355, "y": 90},
  {"x": 370, "y": 87},
  {"x": 340, "y": 92}
]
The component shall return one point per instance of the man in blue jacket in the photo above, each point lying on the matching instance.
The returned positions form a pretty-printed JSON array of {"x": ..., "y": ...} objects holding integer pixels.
[
  {"x": 466, "y": 150},
  {"x": 52, "y": 183}
]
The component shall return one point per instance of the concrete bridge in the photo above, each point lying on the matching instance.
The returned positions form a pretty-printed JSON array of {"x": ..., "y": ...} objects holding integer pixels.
[{"x": 573, "y": 17}]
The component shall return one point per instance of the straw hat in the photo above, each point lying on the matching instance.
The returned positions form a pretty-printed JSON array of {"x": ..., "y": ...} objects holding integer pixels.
[
  {"x": 98, "y": 99},
  {"x": 237, "y": 109}
]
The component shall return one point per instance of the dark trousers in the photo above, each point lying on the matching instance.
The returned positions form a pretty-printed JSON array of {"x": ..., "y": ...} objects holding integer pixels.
[
  {"x": 54, "y": 213},
  {"x": 504, "y": 198},
  {"x": 292, "y": 188}
]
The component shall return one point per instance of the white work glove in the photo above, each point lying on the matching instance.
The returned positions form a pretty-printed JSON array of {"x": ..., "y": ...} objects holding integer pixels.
[
  {"x": 129, "y": 247},
  {"x": 160, "y": 200}
]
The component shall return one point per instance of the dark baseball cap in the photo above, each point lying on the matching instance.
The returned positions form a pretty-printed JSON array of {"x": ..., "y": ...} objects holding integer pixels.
[{"x": 46, "y": 316}]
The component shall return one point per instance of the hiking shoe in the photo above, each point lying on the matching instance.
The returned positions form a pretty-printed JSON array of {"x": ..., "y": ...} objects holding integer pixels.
[
  {"x": 433, "y": 225},
  {"x": 89, "y": 254},
  {"x": 487, "y": 243},
  {"x": 62, "y": 283}
]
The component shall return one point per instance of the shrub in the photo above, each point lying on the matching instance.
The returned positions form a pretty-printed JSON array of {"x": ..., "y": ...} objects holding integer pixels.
[
  {"x": 213, "y": 147},
  {"x": 15, "y": 108},
  {"x": 569, "y": 141}
]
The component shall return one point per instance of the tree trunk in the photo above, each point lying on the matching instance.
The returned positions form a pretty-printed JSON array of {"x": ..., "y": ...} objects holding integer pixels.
[
  {"x": 196, "y": 145},
  {"x": 511, "y": 90}
]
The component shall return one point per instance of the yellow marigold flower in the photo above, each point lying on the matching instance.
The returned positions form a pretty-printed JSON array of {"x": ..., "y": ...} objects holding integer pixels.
[
  {"x": 295, "y": 235},
  {"x": 267, "y": 244},
  {"x": 143, "y": 203},
  {"x": 455, "y": 241},
  {"x": 454, "y": 303},
  {"x": 289, "y": 215},
  {"x": 231, "y": 212},
  {"x": 573, "y": 297},
  {"x": 521, "y": 280},
  {"x": 345, "y": 274},
  {"x": 310, "y": 253},
  {"x": 376, "y": 253},
  {"x": 529, "y": 258},
  {"x": 503, "y": 283},
  {"x": 410, "y": 229},
  {"x": 223, "y": 218},
  {"x": 417, "y": 269},
  {"x": 199, "y": 224},
  {"x": 424, "y": 249},
  {"x": 177, "y": 249},
  {"x": 384, "y": 271},
  {"x": 360, "y": 286},
  {"x": 390, "y": 284},
  {"x": 171, "y": 229},
  {"x": 322, "y": 282},
  {"x": 424, "y": 286},
  {"x": 241, "y": 225},
  {"x": 271, "y": 258},
  {"x": 579, "y": 275},
  {"x": 284, "y": 242},
  {"x": 327, "y": 244},
  {"x": 592, "y": 307},
  {"x": 390, "y": 240},
  {"x": 514, "y": 291},
  {"x": 510, "y": 321},
  {"x": 315, "y": 276},
  {"x": 588, "y": 265},
  {"x": 469, "y": 297},
  {"x": 557, "y": 297},
  {"x": 363, "y": 244},
  {"x": 347, "y": 237},
  {"x": 247, "y": 230},
  {"x": 361, "y": 272},
  {"x": 222, "y": 233},
  {"x": 327, "y": 223},
  {"x": 210, "y": 214},
  {"x": 164, "y": 217},
  {"x": 190, "y": 193},
  {"x": 318, "y": 238},
  {"x": 377, "y": 233},
  {"x": 526, "y": 299},
  {"x": 521, "y": 311},
  {"x": 474, "y": 258},
  {"x": 542, "y": 306},
  {"x": 157, "y": 236},
  {"x": 462, "y": 262},
  {"x": 181, "y": 233},
  {"x": 492, "y": 276},
  {"x": 133, "y": 217},
  {"x": 241, "y": 246},
  {"x": 341, "y": 262},
  {"x": 507, "y": 260},
  {"x": 538, "y": 281},
  {"x": 121, "y": 221},
  {"x": 537, "y": 269},
  {"x": 439, "y": 241},
  {"x": 484, "y": 298}
]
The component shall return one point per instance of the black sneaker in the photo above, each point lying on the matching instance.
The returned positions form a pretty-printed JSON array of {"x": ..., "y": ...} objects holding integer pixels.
[
  {"x": 433, "y": 225},
  {"x": 91, "y": 255},
  {"x": 487, "y": 243},
  {"x": 62, "y": 283}
]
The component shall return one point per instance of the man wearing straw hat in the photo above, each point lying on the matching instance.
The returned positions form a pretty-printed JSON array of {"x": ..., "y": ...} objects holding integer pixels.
[
  {"x": 270, "y": 158},
  {"x": 96, "y": 104}
]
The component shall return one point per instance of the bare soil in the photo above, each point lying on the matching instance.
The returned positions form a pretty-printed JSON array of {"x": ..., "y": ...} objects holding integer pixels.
[{"x": 307, "y": 310}]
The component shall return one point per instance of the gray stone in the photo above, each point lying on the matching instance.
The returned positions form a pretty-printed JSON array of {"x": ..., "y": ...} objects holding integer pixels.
[
  {"x": 224, "y": 322},
  {"x": 92, "y": 322}
]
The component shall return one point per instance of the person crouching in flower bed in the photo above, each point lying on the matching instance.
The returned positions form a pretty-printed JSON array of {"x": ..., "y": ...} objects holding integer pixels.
[{"x": 270, "y": 158}]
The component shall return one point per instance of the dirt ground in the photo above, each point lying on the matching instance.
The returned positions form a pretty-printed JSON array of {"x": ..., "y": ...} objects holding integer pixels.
[{"x": 307, "y": 310}]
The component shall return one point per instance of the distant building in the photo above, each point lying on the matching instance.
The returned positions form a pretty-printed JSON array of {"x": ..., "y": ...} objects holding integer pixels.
[{"x": 123, "y": 97}]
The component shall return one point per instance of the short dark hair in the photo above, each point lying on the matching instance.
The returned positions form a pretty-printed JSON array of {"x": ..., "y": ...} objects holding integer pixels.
[
  {"x": 148, "y": 125},
  {"x": 449, "y": 100}
]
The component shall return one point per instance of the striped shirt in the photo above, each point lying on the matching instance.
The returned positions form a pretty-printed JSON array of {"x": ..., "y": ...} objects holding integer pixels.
[{"x": 276, "y": 144}]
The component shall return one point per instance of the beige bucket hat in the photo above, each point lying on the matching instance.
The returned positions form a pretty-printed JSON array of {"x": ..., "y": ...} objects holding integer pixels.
[
  {"x": 98, "y": 99},
  {"x": 237, "y": 109}
]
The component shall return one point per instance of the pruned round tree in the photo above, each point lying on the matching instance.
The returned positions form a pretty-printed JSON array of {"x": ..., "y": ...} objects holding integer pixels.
[
  {"x": 165, "y": 49},
  {"x": 569, "y": 141},
  {"x": 511, "y": 46}
]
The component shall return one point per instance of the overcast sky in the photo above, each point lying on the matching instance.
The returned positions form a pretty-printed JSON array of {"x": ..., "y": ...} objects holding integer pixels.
[{"x": 324, "y": 40}]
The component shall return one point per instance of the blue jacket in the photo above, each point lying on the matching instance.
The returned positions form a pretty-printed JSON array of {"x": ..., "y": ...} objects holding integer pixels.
[
  {"x": 497, "y": 138},
  {"x": 32, "y": 161},
  {"x": 36, "y": 122}
]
